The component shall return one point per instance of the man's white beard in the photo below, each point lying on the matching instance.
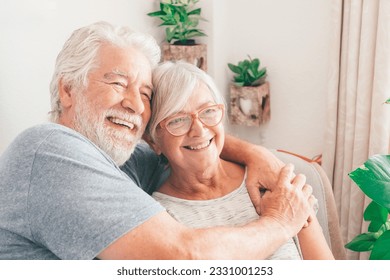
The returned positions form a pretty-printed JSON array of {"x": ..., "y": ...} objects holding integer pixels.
[{"x": 118, "y": 144}]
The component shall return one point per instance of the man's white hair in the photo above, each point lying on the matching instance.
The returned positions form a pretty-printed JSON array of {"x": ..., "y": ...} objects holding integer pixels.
[{"x": 79, "y": 56}]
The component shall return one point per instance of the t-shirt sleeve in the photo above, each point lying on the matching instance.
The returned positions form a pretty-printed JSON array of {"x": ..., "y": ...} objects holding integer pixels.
[
  {"x": 80, "y": 201},
  {"x": 146, "y": 168}
]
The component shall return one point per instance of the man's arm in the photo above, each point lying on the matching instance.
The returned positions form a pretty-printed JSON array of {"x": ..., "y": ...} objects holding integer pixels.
[
  {"x": 263, "y": 166},
  {"x": 285, "y": 209}
]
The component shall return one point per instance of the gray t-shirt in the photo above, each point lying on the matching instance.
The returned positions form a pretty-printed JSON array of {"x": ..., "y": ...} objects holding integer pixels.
[
  {"x": 233, "y": 209},
  {"x": 64, "y": 198}
]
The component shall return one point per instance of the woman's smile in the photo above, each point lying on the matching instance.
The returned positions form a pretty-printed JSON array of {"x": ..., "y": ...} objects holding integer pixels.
[{"x": 199, "y": 146}]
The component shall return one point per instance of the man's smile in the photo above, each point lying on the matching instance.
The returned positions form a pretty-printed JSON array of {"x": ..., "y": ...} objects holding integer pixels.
[{"x": 122, "y": 122}]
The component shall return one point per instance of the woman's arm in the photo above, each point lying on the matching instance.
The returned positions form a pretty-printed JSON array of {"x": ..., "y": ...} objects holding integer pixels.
[{"x": 313, "y": 243}]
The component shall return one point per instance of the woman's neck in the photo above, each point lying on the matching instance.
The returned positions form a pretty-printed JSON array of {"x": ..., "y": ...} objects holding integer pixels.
[{"x": 213, "y": 182}]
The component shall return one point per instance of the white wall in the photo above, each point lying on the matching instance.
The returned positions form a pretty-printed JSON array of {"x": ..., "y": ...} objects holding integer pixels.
[{"x": 289, "y": 37}]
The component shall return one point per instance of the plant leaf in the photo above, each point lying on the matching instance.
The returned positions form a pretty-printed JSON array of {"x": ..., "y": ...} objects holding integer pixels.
[
  {"x": 183, "y": 14},
  {"x": 193, "y": 33},
  {"x": 168, "y": 22},
  {"x": 170, "y": 34},
  {"x": 361, "y": 243},
  {"x": 251, "y": 74},
  {"x": 243, "y": 64},
  {"x": 262, "y": 72},
  {"x": 259, "y": 81},
  {"x": 373, "y": 178},
  {"x": 234, "y": 68},
  {"x": 375, "y": 226},
  {"x": 255, "y": 64},
  {"x": 195, "y": 12},
  {"x": 381, "y": 249},
  {"x": 239, "y": 84},
  {"x": 239, "y": 79},
  {"x": 167, "y": 8},
  {"x": 388, "y": 101},
  {"x": 156, "y": 14},
  {"x": 375, "y": 212}
]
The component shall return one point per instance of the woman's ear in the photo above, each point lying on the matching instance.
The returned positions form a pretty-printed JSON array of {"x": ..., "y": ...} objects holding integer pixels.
[
  {"x": 65, "y": 93},
  {"x": 146, "y": 137}
]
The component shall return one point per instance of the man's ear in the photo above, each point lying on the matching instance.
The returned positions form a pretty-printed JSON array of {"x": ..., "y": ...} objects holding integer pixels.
[
  {"x": 146, "y": 137},
  {"x": 65, "y": 92}
]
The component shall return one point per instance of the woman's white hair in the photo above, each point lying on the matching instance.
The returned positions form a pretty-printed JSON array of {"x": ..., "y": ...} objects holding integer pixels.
[
  {"x": 79, "y": 56},
  {"x": 173, "y": 85}
]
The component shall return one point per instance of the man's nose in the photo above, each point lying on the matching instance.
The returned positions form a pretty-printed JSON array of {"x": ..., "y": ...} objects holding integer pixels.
[{"x": 132, "y": 100}]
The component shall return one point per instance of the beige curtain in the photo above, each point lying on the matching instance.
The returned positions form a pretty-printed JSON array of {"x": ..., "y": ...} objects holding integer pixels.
[{"x": 358, "y": 124}]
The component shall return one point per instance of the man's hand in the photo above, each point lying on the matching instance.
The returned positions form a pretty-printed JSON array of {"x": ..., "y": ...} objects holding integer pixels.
[
  {"x": 289, "y": 202},
  {"x": 263, "y": 170}
]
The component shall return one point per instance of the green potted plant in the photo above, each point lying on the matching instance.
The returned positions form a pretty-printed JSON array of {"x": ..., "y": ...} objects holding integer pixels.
[
  {"x": 373, "y": 178},
  {"x": 249, "y": 100},
  {"x": 248, "y": 73},
  {"x": 180, "y": 19}
]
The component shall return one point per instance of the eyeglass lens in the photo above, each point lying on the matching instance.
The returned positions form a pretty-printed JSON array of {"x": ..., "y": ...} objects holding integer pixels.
[{"x": 209, "y": 116}]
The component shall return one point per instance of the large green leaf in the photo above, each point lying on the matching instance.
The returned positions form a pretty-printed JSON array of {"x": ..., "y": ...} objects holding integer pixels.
[
  {"x": 373, "y": 178},
  {"x": 375, "y": 212},
  {"x": 388, "y": 101},
  {"x": 361, "y": 243},
  {"x": 381, "y": 249},
  {"x": 375, "y": 226}
]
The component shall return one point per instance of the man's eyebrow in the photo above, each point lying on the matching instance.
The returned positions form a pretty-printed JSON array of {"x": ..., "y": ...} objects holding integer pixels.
[{"x": 115, "y": 73}]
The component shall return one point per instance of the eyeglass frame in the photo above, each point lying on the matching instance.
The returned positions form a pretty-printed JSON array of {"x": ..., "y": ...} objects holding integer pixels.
[{"x": 194, "y": 116}]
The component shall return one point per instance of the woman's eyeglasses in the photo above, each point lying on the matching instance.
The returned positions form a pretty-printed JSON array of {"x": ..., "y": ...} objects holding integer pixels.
[{"x": 180, "y": 124}]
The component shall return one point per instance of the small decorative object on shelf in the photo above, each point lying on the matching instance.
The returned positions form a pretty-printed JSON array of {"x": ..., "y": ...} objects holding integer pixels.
[
  {"x": 249, "y": 93},
  {"x": 181, "y": 20}
]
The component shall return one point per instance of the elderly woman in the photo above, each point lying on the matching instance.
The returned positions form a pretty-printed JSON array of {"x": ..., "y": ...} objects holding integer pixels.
[{"x": 202, "y": 189}]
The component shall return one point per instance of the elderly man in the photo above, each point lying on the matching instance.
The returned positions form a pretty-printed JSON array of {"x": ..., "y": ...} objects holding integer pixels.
[{"x": 63, "y": 195}]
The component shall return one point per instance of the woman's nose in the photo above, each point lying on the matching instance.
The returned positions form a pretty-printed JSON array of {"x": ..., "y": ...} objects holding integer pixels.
[{"x": 197, "y": 128}]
